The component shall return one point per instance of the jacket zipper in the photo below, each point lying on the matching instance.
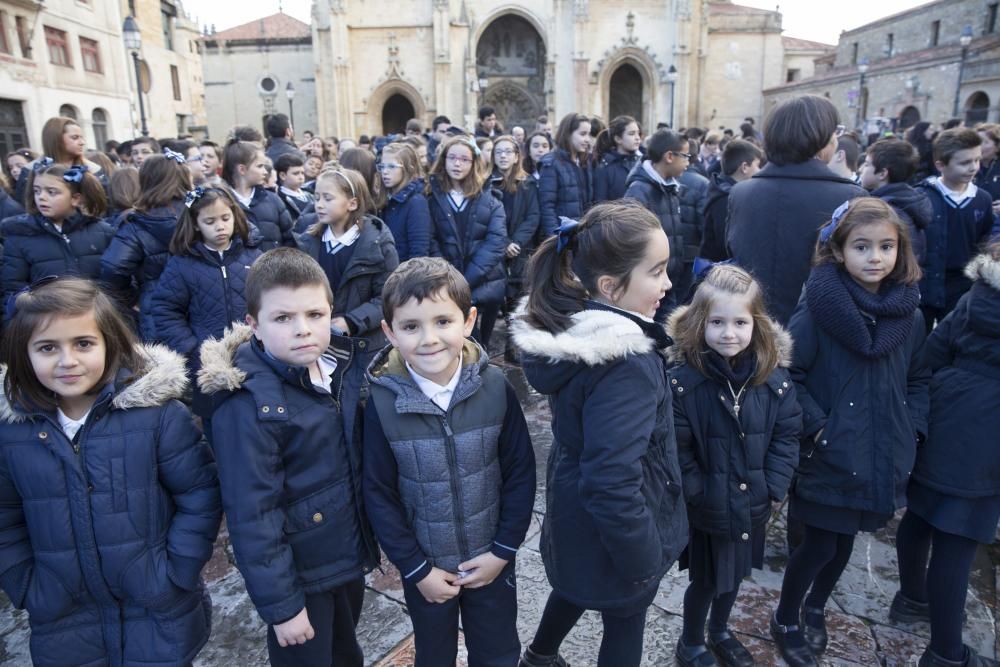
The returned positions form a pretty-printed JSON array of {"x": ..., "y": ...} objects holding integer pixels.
[
  {"x": 456, "y": 488},
  {"x": 225, "y": 293}
]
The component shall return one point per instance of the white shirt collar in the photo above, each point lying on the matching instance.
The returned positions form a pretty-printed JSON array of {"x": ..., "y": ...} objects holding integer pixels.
[
  {"x": 335, "y": 243},
  {"x": 440, "y": 395},
  {"x": 245, "y": 202},
  {"x": 71, "y": 426},
  {"x": 327, "y": 365},
  {"x": 300, "y": 194}
]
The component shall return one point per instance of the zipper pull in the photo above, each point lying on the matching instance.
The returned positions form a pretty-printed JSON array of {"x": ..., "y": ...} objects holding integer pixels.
[{"x": 224, "y": 272}]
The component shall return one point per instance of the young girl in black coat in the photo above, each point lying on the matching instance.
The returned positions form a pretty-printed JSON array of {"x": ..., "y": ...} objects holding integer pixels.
[
  {"x": 738, "y": 426},
  {"x": 245, "y": 170},
  {"x": 863, "y": 390},
  {"x": 614, "y": 513},
  {"x": 954, "y": 493}
]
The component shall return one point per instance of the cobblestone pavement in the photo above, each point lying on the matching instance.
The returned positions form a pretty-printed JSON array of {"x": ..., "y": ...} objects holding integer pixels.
[{"x": 857, "y": 616}]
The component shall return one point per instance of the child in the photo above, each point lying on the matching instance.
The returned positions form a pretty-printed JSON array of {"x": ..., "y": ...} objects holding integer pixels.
[
  {"x": 123, "y": 193},
  {"x": 270, "y": 176},
  {"x": 737, "y": 455},
  {"x": 654, "y": 185},
  {"x": 537, "y": 146},
  {"x": 519, "y": 195},
  {"x": 289, "y": 462},
  {"x": 291, "y": 177},
  {"x": 614, "y": 514},
  {"x": 63, "y": 143},
  {"x": 108, "y": 493},
  {"x": 313, "y": 165},
  {"x": 244, "y": 170},
  {"x": 454, "y": 546},
  {"x": 62, "y": 232},
  {"x": 405, "y": 213},
  {"x": 211, "y": 157},
  {"x": 740, "y": 161},
  {"x": 141, "y": 245},
  {"x": 469, "y": 228},
  {"x": 565, "y": 186},
  {"x": 357, "y": 253},
  {"x": 188, "y": 150},
  {"x": 200, "y": 293},
  {"x": 888, "y": 167},
  {"x": 954, "y": 493},
  {"x": 863, "y": 392},
  {"x": 963, "y": 219},
  {"x": 617, "y": 152},
  {"x": 142, "y": 149}
]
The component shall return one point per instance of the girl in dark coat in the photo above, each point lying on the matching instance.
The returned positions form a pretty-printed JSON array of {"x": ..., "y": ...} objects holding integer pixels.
[
  {"x": 357, "y": 253},
  {"x": 244, "y": 169},
  {"x": 737, "y": 454},
  {"x": 954, "y": 493},
  {"x": 617, "y": 154},
  {"x": 863, "y": 391},
  {"x": 62, "y": 232},
  {"x": 405, "y": 212},
  {"x": 614, "y": 513},
  {"x": 565, "y": 187},
  {"x": 109, "y": 500},
  {"x": 469, "y": 228}
]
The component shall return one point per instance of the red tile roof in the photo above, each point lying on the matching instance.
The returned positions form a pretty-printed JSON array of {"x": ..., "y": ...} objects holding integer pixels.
[{"x": 276, "y": 26}]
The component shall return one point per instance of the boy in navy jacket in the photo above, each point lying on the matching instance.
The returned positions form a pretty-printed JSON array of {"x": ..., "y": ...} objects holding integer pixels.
[
  {"x": 449, "y": 472},
  {"x": 289, "y": 462}
]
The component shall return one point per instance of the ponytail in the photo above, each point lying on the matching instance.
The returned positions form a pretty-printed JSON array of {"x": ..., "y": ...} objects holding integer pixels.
[
  {"x": 606, "y": 138},
  {"x": 554, "y": 292},
  {"x": 237, "y": 153}
]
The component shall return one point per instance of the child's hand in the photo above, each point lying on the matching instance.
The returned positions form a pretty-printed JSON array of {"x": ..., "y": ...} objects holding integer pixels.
[
  {"x": 439, "y": 586},
  {"x": 340, "y": 323},
  {"x": 296, "y": 631},
  {"x": 481, "y": 570},
  {"x": 513, "y": 250}
]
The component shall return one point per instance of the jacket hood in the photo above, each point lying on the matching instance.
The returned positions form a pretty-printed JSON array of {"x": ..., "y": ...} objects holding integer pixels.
[
  {"x": 163, "y": 379},
  {"x": 680, "y": 355},
  {"x": 614, "y": 157},
  {"x": 983, "y": 301},
  {"x": 219, "y": 371},
  {"x": 719, "y": 188},
  {"x": 414, "y": 186},
  {"x": 909, "y": 200},
  {"x": 810, "y": 170},
  {"x": 641, "y": 173},
  {"x": 984, "y": 268},
  {"x": 157, "y": 216},
  {"x": 388, "y": 370},
  {"x": 33, "y": 224}
]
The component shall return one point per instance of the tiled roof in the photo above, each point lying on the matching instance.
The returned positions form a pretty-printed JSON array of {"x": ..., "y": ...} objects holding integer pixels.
[
  {"x": 276, "y": 26},
  {"x": 796, "y": 44}
]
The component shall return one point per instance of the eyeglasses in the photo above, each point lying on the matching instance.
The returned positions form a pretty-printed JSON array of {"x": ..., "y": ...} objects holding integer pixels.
[
  {"x": 458, "y": 159},
  {"x": 197, "y": 158},
  {"x": 503, "y": 152},
  {"x": 686, "y": 156},
  {"x": 840, "y": 130},
  {"x": 141, "y": 151},
  {"x": 389, "y": 166}
]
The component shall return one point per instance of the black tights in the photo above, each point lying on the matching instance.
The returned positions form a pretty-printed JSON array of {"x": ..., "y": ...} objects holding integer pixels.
[
  {"x": 621, "y": 644},
  {"x": 814, "y": 566},
  {"x": 698, "y": 598},
  {"x": 943, "y": 582}
]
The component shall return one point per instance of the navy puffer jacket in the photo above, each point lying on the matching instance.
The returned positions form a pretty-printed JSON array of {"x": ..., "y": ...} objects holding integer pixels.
[
  {"x": 479, "y": 255},
  {"x": 290, "y": 468},
  {"x": 9, "y": 207},
  {"x": 913, "y": 208},
  {"x": 200, "y": 294},
  {"x": 34, "y": 248},
  {"x": 565, "y": 189},
  {"x": 611, "y": 173},
  {"x": 615, "y": 520},
  {"x": 713, "y": 239},
  {"x": 960, "y": 456},
  {"x": 103, "y": 540},
  {"x": 271, "y": 218},
  {"x": 665, "y": 203},
  {"x": 734, "y": 463},
  {"x": 694, "y": 190},
  {"x": 409, "y": 220},
  {"x": 139, "y": 252}
]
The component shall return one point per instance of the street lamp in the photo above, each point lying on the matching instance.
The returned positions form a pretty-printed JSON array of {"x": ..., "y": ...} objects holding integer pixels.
[
  {"x": 133, "y": 42},
  {"x": 290, "y": 94},
  {"x": 862, "y": 69},
  {"x": 672, "y": 79},
  {"x": 965, "y": 39}
]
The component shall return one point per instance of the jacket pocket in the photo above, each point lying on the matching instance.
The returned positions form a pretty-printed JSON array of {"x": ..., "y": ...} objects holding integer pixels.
[
  {"x": 322, "y": 528},
  {"x": 145, "y": 581},
  {"x": 47, "y": 598}
]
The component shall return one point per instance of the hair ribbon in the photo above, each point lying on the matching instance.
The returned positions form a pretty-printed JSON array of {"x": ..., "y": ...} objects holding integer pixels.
[
  {"x": 826, "y": 233},
  {"x": 566, "y": 233},
  {"x": 10, "y": 307},
  {"x": 174, "y": 155},
  {"x": 194, "y": 195},
  {"x": 75, "y": 173},
  {"x": 42, "y": 164}
]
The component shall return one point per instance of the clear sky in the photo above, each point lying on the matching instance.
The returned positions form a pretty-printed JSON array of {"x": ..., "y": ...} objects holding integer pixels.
[{"x": 807, "y": 19}]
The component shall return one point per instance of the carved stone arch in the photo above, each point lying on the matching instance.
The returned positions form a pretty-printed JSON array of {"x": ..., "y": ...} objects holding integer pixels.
[
  {"x": 644, "y": 64},
  {"x": 377, "y": 99},
  {"x": 522, "y": 12},
  {"x": 514, "y": 103},
  {"x": 512, "y": 56}
]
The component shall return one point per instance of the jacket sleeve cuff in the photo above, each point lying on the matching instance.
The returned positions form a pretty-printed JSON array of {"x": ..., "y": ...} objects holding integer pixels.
[
  {"x": 185, "y": 572},
  {"x": 417, "y": 574},
  {"x": 284, "y": 610},
  {"x": 503, "y": 551}
]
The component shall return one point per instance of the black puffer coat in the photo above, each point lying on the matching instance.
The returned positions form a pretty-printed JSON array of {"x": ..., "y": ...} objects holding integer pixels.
[
  {"x": 565, "y": 189},
  {"x": 665, "y": 203},
  {"x": 913, "y": 208},
  {"x": 522, "y": 217},
  {"x": 271, "y": 218},
  {"x": 611, "y": 175}
]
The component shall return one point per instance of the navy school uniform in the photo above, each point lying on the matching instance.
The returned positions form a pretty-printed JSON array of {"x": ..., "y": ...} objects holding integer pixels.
[
  {"x": 408, "y": 218},
  {"x": 565, "y": 189},
  {"x": 267, "y": 212},
  {"x": 988, "y": 178},
  {"x": 734, "y": 460},
  {"x": 295, "y": 206},
  {"x": 9, "y": 207},
  {"x": 522, "y": 215},
  {"x": 859, "y": 379},
  {"x": 105, "y": 534},
  {"x": 956, "y": 481},
  {"x": 610, "y": 174},
  {"x": 913, "y": 208}
]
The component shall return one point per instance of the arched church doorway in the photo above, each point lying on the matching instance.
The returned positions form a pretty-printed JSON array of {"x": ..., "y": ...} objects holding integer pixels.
[
  {"x": 511, "y": 57},
  {"x": 909, "y": 117},
  {"x": 625, "y": 93},
  {"x": 977, "y": 108},
  {"x": 395, "y": 112}
]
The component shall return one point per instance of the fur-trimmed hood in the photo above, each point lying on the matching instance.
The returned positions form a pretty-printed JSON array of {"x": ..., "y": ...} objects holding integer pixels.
[
  {"x": 219, "y": 371},
  {"x": 163, "y": 379},
  {"x": 678, "y": 355},
  {"x": 984, "y": 267}
]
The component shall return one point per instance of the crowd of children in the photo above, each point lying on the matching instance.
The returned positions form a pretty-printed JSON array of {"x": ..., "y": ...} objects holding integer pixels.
[{"x": 310, "y": 356}]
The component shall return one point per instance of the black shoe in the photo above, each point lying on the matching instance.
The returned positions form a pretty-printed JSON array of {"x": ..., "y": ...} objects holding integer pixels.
[
  {"x": 532, "y": 659},
  {"x": 730, "y": 651},
  {"x": 794, "y": 656},
  {"x": 905, "y": 610},
  {"x": 814, "y": 630},
  {"x": 971, "y": 659},
  {"x": 693, "y": 656}
]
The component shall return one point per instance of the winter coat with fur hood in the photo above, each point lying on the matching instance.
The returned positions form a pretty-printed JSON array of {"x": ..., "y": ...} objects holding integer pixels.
[
  {"x": 734, "y": 462},
  {"x": 614, "y": 518},
  {"x": 103, "y": 537},
  {"x": 960, "y": 456},
  {"x": 289, "y": 458}
]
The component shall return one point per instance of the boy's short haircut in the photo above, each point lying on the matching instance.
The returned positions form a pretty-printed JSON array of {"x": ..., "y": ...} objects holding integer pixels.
[
  {"x": 423, "y": 278},
  {"x": 662, "y": 142},
  {"x": 797, "y": 129},
  {"x": 283, "y": 267},
  {"x": 899, "y": 158},
  {"x": 852, "y": 151},
  {"x": 288, "y": 161},
  {"x": 736, "y": 153},
  {"x": 951, "y": 141}
]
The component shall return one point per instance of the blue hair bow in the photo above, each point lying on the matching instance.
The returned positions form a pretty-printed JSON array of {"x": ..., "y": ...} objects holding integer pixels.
[
  {"x": 566, "y": 233},
  {"x": 10, "y": 306},
  {"x": 42, "y": 164},
  {"x": 174, "y": 155},
  {"x": 75, "y": 173},
  {"x": 194, "y": 195},
  {"x": 826, "y": 233}
]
